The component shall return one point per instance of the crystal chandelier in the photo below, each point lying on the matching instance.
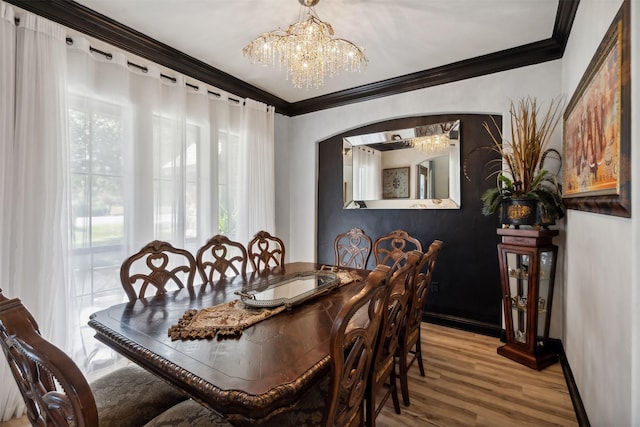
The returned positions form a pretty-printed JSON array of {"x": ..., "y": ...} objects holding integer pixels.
[{"x": 307, "y": 49}]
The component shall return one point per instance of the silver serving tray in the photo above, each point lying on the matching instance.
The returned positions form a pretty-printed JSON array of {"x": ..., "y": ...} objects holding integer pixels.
[{"x": 290, "y": 290}]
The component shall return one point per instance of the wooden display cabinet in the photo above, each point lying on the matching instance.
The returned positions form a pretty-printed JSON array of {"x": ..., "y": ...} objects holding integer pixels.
[{"x": 527, "y": 271}]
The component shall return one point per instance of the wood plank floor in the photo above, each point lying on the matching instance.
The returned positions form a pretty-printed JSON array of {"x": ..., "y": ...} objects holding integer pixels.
[{"x": 468, "y": 384}]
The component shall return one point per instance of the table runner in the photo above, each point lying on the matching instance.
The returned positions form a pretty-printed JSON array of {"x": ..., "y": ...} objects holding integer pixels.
[
  {"x": 231, "y": 318},
  {"x": 225, "y": 320},
  {"x": 345, "y": 276}
]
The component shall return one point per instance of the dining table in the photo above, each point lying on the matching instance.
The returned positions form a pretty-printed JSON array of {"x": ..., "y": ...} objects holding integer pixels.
[{"x": 247, "y": 377}]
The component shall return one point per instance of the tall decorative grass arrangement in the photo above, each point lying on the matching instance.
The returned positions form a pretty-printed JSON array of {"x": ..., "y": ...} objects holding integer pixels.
[{"x": 521, "y": 173}]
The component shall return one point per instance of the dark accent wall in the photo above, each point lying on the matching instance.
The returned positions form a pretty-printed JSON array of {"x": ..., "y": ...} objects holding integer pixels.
[{"x": 467, "y": 283}]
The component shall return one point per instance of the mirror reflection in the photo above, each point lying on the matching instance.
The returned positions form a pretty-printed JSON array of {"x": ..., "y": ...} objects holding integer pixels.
[{"x": 414, "y": 168}]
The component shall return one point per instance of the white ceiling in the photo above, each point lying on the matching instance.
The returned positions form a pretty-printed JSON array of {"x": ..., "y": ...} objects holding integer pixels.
[{"x": 399, "y": 36}]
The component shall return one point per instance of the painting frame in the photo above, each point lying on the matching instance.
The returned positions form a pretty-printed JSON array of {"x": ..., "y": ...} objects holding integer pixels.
[
  {"x": 596, "y": 168},
  {"x": 395, "y": 183}
]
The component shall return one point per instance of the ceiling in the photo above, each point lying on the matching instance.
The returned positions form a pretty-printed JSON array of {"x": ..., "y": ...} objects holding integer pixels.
[{"x": 408, "y": 43}]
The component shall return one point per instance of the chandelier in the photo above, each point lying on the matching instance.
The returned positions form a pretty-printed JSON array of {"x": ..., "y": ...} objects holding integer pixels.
[{"x": 307, "y": 49}]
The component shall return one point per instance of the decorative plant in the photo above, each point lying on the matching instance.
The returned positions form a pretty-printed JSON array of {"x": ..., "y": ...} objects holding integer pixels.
[{"x": 521, "y": 174}]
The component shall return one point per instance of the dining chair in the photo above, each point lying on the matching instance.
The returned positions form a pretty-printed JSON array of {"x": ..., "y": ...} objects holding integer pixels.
[
  {"x": 382, "y": 375},
  {"x": 409, "y": 347},
  {"x": 392, "y": 249},
  {"x": 221, "y": 257},
  {"x": 266, "y": 252},
  {"x": 55, "y": 391},
  {"x": 157, "y": 265},
  {"x": 338, "y": 400},
  {"x": 352, "y": 249}
]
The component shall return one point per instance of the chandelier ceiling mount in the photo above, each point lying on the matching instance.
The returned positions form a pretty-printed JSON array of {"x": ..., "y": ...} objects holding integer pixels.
[{"x": 307, "y": 49}]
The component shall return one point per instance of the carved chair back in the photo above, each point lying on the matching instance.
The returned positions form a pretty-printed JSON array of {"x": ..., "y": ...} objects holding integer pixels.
[
  {"x": 157, "y": 265},
  {"x": 266, "y": 252},
  {"x": 383, "y": 369},
  {"x": 220, "y": 258},
  {"x": 424, "y": 273},
  {"x": 409, "y": 348},
  {"x": 392, "y": 249},
  {"x": 54, "y": 389},
  {"x": 352, "y": 346},
  {"x": 352, "y": 249}
]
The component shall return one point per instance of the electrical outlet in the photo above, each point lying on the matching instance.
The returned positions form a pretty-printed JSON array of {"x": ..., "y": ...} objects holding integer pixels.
[{"x": 435, "y": 287}]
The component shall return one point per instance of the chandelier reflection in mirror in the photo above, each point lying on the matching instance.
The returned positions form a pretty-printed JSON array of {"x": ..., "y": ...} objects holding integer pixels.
[
  {"x": 431, "y": 144},
  {"x": 307, "y": 49},
  {"x": 432, "y": 139}
]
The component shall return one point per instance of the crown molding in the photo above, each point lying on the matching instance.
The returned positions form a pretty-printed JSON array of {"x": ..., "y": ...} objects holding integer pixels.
[
  {"x": 80, "y": 18},
  {"x": 87, "y": 21},
  {"x": 521, "y": 56}
]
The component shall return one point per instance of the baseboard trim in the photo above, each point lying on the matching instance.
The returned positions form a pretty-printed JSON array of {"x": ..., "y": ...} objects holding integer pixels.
[
  {"x": 465, "y": 324},
  {"x": 572, "y": 387}
]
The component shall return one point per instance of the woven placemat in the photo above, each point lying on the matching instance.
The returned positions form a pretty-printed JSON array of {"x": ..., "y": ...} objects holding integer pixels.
[{"x": 224, "y": 320}]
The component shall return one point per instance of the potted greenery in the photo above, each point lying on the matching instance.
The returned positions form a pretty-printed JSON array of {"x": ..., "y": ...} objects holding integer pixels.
[{"x": 525, "y": 192}]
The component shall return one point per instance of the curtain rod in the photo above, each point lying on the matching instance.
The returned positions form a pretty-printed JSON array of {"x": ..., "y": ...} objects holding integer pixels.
[{"x": 144, "y": 69}]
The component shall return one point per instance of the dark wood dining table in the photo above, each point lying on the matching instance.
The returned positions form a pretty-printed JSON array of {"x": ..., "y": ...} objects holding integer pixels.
[{"x": 247, "y": 378}]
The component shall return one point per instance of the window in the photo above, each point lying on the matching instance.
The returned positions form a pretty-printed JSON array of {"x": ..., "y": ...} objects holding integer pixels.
[
  {"x": 97, "y": 214},
  {"x": 115, "y": 202},
  {"x": 228, "y": 156},
  {"x": 97, "y": 197}
]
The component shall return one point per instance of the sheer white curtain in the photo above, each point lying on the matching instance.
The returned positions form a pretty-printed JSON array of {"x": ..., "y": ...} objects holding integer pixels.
[
  {"x": 33, "y": 261},
  {"x": 367, "y": 173},
  {"x": 10, "y": 399},
  {"x": 155, "y": 158},
  {"x": 257, "y": 212},
  {"x": 7, "y": 121}
]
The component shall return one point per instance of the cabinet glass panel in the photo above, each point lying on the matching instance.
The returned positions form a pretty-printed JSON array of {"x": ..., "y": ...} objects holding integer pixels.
[
  {"x": 518, "y": 271},
  {"x": 544, "y": 289}
]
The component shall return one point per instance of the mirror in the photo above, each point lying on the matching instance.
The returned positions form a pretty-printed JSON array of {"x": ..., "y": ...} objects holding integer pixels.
[{"x": 415, "y": 168}]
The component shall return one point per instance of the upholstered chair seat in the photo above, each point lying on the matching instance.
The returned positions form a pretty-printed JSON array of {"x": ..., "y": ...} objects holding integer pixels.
[
  {"x": 131, "y": 396},
  {"x": 188, "y": 414}
]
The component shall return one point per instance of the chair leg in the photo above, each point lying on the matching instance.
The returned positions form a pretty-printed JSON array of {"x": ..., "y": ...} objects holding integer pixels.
[
  {"x": 394, "y": 390},
  {"x": 370, "y": 409},
  {"x": 404, "y": 375},
  {"x": 419, "y": 354}
]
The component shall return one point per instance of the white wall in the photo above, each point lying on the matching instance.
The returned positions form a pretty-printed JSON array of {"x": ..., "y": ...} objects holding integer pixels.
[
  {"x": 282, "y": 182},
  {"x": 600, "y": 280}
]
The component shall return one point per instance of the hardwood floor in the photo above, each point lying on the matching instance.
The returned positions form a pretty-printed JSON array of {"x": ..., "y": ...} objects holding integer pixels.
[{"x": 468, "y": 384}]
